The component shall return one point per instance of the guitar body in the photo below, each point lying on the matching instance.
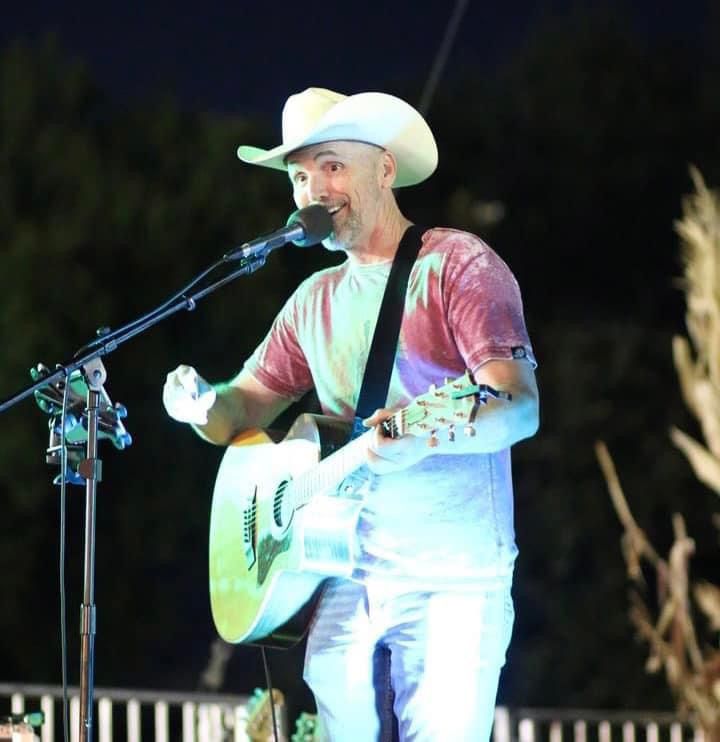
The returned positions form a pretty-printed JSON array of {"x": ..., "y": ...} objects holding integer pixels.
[{"x": 267, "y": 558}]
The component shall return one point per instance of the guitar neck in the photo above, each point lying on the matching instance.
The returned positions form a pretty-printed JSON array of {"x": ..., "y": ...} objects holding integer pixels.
[
  {"x": 330, "y": 471},
  {"x": 440, "y": 409}
]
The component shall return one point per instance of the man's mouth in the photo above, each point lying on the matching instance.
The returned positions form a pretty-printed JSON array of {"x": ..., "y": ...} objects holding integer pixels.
[{"x": 334, "y": 209}]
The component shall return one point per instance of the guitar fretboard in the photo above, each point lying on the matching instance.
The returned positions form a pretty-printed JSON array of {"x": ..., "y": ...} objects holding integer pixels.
[
  {"x": 334, "y": 468},
  {"x": 328, "y": 472}
]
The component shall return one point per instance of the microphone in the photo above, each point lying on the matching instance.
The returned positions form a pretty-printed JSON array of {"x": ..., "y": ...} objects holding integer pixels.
[{"x": 304, "y": 227}]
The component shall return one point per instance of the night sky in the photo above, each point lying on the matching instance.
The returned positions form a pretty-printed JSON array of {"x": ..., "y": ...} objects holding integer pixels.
[{"x": 246, "y": 57}]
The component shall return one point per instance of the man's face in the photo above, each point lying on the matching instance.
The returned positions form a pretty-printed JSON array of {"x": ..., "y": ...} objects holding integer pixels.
[{"x": 344, "y": 177}]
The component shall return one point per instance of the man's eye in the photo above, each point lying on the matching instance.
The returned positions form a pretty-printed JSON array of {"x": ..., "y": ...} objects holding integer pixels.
[
  {"x": 299, "y": 178},
  {"x": 335, "y": 167}
]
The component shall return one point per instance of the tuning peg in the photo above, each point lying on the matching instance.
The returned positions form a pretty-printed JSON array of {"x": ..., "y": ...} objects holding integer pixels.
[
  {"x": 432, "y": 388},
  {"x": 433, "y": 439},
  {"x": 469, "y": 431},
  {"x": 451, "y": 432}
]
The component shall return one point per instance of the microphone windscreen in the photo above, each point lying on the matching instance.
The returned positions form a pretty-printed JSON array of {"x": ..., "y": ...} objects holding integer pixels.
[{"x": 315, "y": 221}]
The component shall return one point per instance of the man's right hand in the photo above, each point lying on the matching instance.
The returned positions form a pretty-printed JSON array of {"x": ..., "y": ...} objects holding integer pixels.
[{"x": 187, "y": 396}]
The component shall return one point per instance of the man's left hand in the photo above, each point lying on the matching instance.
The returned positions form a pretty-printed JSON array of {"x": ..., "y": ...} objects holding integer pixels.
[{"x": 386, "y": 455}]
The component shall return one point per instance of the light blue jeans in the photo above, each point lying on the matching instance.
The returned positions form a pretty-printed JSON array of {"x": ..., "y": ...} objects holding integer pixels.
[{"x": 446, "y": 648}]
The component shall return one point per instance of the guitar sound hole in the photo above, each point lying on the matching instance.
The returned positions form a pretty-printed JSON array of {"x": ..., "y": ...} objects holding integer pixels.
[{"x": 278, "y": 504}]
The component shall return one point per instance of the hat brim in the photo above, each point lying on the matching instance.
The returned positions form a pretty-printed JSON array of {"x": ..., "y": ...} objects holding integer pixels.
[{"x": 374, "y": 118}]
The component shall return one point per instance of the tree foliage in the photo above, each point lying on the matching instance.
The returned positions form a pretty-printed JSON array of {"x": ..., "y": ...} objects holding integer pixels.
[{"x": 105, "y": 213}]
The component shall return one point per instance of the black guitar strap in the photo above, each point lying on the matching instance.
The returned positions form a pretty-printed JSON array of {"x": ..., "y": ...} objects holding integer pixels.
[{"x": 378, "y": 369}]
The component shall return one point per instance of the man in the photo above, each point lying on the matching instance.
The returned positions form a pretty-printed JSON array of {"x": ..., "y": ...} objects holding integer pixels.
[{"x": 435, "y": 541}]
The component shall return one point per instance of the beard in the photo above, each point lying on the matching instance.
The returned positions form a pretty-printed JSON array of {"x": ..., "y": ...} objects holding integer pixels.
[{"x": 346, "y": 234}]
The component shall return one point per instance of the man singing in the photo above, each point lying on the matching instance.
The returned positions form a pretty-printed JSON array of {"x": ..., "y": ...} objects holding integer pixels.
[{"x": 435, "y": 545}]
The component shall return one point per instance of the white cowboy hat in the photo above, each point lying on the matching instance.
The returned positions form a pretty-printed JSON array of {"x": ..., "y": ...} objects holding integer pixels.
[{"x": 319, "y": 115}]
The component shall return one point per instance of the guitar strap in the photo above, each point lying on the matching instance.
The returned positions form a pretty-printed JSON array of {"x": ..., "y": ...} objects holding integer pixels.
[{"x": 378, "y": 369}]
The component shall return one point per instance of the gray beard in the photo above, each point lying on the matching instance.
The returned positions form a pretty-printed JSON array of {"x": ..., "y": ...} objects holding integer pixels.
[{"x": 349, "y": 234}]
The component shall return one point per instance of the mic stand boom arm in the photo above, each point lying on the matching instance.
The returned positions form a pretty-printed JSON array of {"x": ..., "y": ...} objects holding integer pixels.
[{"x": 89, "y": 360}]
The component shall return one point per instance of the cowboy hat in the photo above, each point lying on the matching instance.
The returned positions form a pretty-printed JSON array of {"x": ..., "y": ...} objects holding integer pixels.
[{"x": 319, "y": 115}]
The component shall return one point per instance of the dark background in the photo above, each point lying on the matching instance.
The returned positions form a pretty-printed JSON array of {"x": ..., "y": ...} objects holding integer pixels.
[{"x": 575, "y": 124}]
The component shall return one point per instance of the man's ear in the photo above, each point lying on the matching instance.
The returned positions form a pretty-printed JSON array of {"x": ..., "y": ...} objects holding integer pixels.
[{"x": 388, "y": 169}]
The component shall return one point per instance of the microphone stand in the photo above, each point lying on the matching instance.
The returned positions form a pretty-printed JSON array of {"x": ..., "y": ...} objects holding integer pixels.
[
  {"x": 88, "y": 360},
  {"x": 91, "y": 470}
]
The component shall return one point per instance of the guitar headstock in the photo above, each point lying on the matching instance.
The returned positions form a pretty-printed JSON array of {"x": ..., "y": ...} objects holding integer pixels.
[{"x": 447, "y": 408}]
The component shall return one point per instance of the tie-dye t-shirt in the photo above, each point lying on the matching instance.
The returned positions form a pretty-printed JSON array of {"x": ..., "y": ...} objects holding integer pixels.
[{"x": 450, "y": 516}]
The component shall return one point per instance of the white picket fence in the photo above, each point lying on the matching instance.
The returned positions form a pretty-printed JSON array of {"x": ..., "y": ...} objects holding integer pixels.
[
  {"x": 583, "y": 725},
  {"x": 133, "y": 715}
]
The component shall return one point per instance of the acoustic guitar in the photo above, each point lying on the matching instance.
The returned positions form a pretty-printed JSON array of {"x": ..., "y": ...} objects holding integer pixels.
[{"x": 283, "y": 514}]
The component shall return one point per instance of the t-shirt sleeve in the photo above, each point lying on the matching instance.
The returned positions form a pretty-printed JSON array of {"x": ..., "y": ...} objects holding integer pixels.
[
  {"x": 484, "y": 305},
  {"x": 279, "y": 362}
]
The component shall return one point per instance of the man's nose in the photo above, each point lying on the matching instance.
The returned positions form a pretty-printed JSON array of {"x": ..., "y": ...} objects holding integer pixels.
[{"x": 317, "y": 187}]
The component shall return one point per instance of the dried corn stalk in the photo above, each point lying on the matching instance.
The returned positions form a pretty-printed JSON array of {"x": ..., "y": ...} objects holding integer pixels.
[
  {"x": 692, "y": 670},
  {"x": 698, "y": 368}
]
